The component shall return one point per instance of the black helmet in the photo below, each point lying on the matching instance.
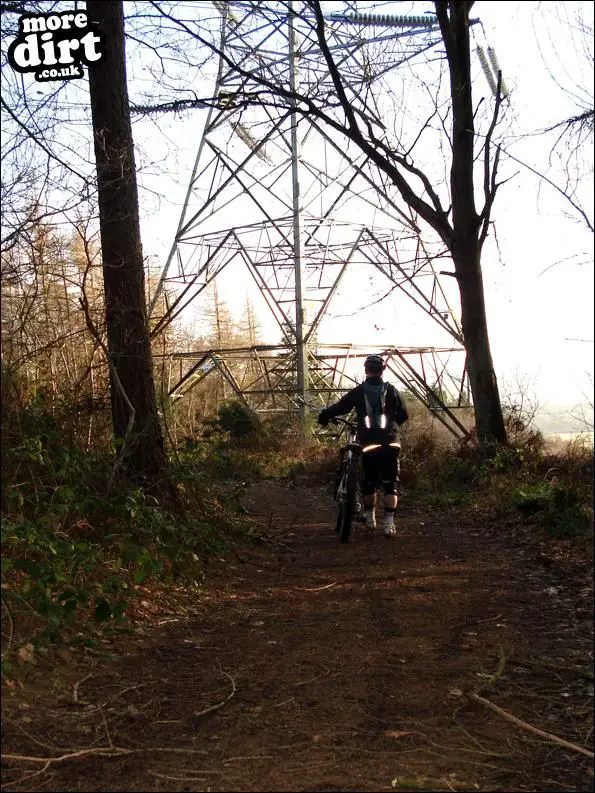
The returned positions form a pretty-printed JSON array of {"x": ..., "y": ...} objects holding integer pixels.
[{"x": 374, "y": 362}]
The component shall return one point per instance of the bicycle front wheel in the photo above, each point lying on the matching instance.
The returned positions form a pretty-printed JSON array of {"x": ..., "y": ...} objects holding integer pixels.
[
  {"x": 344, "y": 520},
  {"x": 347, "y": 507}
]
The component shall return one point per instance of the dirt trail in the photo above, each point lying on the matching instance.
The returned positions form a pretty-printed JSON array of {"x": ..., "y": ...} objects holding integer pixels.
[{"x": 315, "y": 666}]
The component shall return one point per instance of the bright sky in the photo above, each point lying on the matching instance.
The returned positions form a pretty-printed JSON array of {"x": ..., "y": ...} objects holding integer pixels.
[
  {"x": 540, "y": 290},
  {"x": 538, "y": 279}
]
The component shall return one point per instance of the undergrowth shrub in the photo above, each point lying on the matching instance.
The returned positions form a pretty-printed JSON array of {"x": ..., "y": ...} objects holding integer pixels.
[
  {"x": 521, "y": 481},
  {"x": 240, "y": 446},
  {"x": 74, "y": 552},
  {"x": 240, "y": 422},
  {"x": 559, "y": 495}
]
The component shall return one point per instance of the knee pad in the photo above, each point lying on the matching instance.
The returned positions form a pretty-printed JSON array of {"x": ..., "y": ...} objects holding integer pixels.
[
  {"x": 390, "y": 488},
  {"x": 368, "y": 488}
]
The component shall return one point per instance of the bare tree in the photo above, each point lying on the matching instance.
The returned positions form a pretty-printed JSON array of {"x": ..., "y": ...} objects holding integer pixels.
[
  {"x": 134, "y": 409},
  {"x": 459, "y": 224},
  {"x": 572, "y": 148},
  {"x": 570, "y": 67},
  {"x": 45, "y": 173}
]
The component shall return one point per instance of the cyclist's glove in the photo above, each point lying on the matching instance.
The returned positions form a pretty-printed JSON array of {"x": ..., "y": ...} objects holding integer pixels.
[{"x": 323, "y": 418}]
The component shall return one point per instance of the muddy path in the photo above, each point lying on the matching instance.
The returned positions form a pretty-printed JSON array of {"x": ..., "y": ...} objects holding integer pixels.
[{"x": 313, "y": 666}]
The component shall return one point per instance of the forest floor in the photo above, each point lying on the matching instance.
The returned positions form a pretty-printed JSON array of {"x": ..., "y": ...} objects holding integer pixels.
[{"x": 307, "y": 665}]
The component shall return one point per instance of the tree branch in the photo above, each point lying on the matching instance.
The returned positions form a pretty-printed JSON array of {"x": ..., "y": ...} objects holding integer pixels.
[
  {"x": 565, "y": 195},
  {"x": 375, "y": 149},
  {"x": 332, "y": 67},
  {"x": 41, "y": 145},
  {"x": 490, "y": 185},
  {"x": 114, "y": 372}
]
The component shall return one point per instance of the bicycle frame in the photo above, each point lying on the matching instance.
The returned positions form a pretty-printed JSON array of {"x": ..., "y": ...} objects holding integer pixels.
[
  {"x": 347, "y": 492},
  {"x": 350, "y": 458}
]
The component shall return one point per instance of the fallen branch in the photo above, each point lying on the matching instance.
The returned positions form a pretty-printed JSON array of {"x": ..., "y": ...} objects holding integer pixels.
[
  {"x": 219, "y": 704},
  {"x": 113, "y": 752},
  {"x": 535, "y": 730},
  {"x": 106, "y": 751}
]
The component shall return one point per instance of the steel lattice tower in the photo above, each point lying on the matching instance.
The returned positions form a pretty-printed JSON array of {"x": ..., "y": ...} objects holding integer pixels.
[{"x": 298, "y": 205}]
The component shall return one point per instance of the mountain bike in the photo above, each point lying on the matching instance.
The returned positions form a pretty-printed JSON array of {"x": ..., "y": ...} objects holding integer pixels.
[{"x": 347, "y": 492}]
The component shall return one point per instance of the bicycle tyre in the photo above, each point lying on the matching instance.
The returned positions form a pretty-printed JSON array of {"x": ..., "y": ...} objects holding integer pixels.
[
  {"x": 347, "y": 508},
  {"x": 344, "y": 520}
]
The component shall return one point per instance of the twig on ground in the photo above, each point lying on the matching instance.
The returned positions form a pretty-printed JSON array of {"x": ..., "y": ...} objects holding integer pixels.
[
  {"x": 499, "y": 671},
  {"x": 107, "y": 732},
  {"x": 22, "y": 758},
  {"x": 249, "y": 757},
  {"x": 312, "y": 679},
  {"x": 285, "y": 702},
  {"x": 109, "y": 699},
  {"x": 543, "y": 666},
  {"x": 477, "y": 743},
  {"x": 75, "y": 690},
  {"x": 11, "y": 632},
  {"x": 52, "y": 747},
  {"x": 26, "y": 778},
  {"x": 317, "y": 588},
  {"x": 105, "y": 751},
  {"x": 172, "y": 750},
  {"x": 475, "y": 622},
  {"x": 200, "y": 775},
  {"x": 529, "y": 727},
  {"x": 126, "y": 690},
  {"x": 223, "y": 702}
]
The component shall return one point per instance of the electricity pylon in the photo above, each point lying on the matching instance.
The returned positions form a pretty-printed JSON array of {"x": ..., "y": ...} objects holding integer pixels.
[{"x": 281, "y": 192}]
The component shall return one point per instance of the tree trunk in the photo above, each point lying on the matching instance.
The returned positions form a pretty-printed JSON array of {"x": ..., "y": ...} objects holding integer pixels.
[
  {"x": 123, "y": 272},
  {"x": 489, "y": 421},
  {"x": 465, "y": 246}
]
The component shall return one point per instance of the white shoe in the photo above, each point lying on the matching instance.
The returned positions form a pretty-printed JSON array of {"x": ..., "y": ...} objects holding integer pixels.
[
  {"x": 389, "y": 530},
  {"x": 370, "y": 520}
]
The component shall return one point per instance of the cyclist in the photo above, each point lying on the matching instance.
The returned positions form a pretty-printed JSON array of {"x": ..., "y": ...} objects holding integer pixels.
[{"x": 380, "y": 411}]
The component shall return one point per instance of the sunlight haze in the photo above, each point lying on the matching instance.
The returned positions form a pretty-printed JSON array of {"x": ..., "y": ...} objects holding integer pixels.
[{"x": 538, "y": 268}]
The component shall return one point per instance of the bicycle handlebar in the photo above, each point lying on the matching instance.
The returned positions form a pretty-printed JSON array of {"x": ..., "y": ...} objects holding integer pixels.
[{"x": 336, "y": 420}]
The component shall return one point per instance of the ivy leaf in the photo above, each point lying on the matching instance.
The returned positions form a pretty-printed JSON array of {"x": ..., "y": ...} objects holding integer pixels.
[{"x": 34, "y": 570}]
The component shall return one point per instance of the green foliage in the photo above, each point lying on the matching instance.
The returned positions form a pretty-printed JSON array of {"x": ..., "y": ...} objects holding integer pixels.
[
  {"x": 518, "y": 482},
  {"x": 564, "y": 509},
  {"x": 240, "y": 447},
  {"x": 73, "y": 555},
  {"x": 238, "y": 420}
]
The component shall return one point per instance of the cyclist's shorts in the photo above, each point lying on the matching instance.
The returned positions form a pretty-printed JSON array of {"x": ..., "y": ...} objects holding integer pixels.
[{"x": 380, "y": 465}]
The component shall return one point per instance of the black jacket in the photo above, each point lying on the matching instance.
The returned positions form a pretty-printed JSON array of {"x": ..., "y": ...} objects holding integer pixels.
[{"x": 395, "y": 408}]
